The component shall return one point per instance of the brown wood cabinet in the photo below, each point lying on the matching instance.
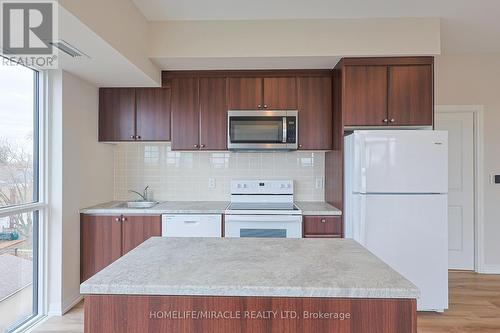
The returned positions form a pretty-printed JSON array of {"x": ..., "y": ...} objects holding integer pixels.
[
  {"x": 213, "y": 114},
  {"x": 280, "y": 93},
  {"x": 137, "y": 229},
  {"x": 365, "y": 96},
  {"x": 410, "y": 95},
  {"x": 245, "y": 93},
  {"x": 261, "y": 93},
  {"x": 117, "y": 114},
  {"x": 103, "y": 239},
  {"x": 315, "y": 112},
  {"x": 322, "y": 226},
  {"x": 130, "y": 114},
  {"x": 387, "y": 91},
  {"x": 185, "y": 114},
  {"x": 199, "y": 113},
  {"x": 153, "y": 114}
]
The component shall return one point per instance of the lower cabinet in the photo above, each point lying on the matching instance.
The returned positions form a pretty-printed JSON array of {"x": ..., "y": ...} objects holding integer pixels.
[
  {"x": 105, "y": 238},
  {"x": 322, "y": 226}
]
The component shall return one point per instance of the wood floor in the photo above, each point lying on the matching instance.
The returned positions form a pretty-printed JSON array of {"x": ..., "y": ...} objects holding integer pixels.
[{"x": 474, "y": 308}]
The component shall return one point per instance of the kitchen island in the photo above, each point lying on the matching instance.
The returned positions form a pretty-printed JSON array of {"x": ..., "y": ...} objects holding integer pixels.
[{"x": 249, "y": 285}]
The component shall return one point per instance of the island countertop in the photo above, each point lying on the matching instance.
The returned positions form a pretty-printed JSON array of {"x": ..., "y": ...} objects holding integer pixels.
[{"x": 250, "y": 267}]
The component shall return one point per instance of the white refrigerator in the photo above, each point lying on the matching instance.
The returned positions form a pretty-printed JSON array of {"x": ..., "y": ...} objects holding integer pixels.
[{"x": 396, "y": 184}]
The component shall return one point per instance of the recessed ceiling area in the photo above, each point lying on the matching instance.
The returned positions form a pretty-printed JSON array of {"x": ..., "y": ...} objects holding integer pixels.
[{"x": 467, "y": 26}]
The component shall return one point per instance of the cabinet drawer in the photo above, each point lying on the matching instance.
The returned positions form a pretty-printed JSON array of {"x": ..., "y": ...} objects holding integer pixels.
[
  {"x": 191, "y": 225},
  {"x": 322, "y": 226}
]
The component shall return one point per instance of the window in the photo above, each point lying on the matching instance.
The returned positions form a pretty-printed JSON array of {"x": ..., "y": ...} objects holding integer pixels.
[{"x": 19, "y": 195}]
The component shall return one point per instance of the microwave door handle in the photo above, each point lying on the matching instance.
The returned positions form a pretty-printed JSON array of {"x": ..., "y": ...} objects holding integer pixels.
[{"x": 284, "y": 130}]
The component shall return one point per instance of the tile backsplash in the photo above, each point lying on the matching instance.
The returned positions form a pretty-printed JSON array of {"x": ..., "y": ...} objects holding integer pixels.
[{"x": 184, "y": 176}]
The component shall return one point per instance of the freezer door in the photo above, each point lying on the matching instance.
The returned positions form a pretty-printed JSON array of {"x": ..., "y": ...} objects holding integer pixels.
[
  {"x": 410, "y": 234},
  {"x": 400, "y": 161}
]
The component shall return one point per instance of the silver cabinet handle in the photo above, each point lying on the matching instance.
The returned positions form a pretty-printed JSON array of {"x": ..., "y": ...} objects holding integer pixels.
[
  {"x": 393, "y": 120},
  {"x": 323, "y": 220},
  {"x": 132, "y": 136},
  {"x": 138, "y": 137},
  {"x": 190, "y": 221},
  {"x": 265, "y": 106},
  {"x": 202, "y": 146},
  {"x": 117, "y": 219},
  {"x": 196, "y": 146},
  {"x": 259, "y": 106},
  {"x": 386, "y": 120},
  {"x": 124, "y": 219},
  {"x": 300, "y": 146}
]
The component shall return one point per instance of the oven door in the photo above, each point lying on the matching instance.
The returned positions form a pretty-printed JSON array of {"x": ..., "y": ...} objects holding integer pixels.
[
  {"x": 263, "y": 226},
  {"x": 259, "y": 130}
]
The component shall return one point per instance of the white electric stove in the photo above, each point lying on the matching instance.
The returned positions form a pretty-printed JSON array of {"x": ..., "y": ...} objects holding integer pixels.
[{"x": 263, "y": 208}]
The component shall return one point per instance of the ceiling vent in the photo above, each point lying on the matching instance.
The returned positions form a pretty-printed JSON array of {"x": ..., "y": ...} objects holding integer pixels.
[{"x": 68, "y": 49}]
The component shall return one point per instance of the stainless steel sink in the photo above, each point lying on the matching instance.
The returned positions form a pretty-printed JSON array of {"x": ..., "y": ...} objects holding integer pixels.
[{"x": 137, "y": 204}]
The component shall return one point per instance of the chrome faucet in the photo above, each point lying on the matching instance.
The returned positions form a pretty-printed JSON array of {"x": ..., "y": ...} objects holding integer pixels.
[{"x": 144, "y": 194}]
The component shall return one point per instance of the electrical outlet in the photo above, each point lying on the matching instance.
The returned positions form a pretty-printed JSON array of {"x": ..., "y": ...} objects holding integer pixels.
[
  {"x": 211, "y": 183},
  {"x": 319, "y": 183}
]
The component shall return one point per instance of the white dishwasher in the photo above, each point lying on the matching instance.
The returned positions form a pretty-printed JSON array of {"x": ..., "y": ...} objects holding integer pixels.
[{"x": 191, "y": 225}]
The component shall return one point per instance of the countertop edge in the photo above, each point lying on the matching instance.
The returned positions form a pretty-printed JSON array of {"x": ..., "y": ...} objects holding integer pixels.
[{"x": 251, "y": 292}]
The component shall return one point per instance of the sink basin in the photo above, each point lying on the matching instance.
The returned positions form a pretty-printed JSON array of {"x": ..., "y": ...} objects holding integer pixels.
[{"x": 137, "y": 204}]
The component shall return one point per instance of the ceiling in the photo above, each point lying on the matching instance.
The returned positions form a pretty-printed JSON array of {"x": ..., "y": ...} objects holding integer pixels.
[{"x": 468, "y": 26}]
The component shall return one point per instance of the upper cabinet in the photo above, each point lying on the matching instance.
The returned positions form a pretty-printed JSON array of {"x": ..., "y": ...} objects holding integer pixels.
[
  {"x": 387, "y": 91},
  {"x": 315, "y": 112},
  {"x": 153, "y": 114},
  {"x": 410, "y": 95},
  {"x": 213, "y": 113},
  {"x": 185, "y": 114},
  {"x": 280, "y": 93},
  {"x": 365, "y": 98},
  {"x": 130, "y": 114},
  {"x": 261, "y": 93},
  {"x": 199, "y": 113},
  {"x": 117, "y": 114},
  {"x": 245, "y": 93}
]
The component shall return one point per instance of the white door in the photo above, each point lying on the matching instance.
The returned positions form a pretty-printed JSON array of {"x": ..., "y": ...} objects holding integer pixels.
[{"x": 460, "y": 127}]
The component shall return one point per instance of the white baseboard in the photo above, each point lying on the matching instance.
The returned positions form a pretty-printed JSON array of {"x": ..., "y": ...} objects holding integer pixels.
[
  {"x": 60, "y": 309},
  {"x": 69, "y": 304},
  {"x": 489, "y": 269}
]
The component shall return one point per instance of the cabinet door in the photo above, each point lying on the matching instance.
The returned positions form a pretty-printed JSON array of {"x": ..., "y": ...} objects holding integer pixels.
[
  {"x": 153, "y": 114},
  {"x": 213, "y": 114},
  {"x": 100, "y": 243},
  {"x": 410, "y": 95},
  {"x": 137, "y": 229},
  {"x": 185, "y": 114},
  {"x": 365, "y": 96},
  {"x": 116, "y": 114},
  {"x": 245, "y": 93},
  {"x": 315, "y": 113},
  {"x": 322, "y": 226},
  {"x": 280, "y": 93}
]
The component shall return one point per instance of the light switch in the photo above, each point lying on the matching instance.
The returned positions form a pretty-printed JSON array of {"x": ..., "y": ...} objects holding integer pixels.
[
  {"x": 211, "y": 183},
  {"x": 496, "y": 179},
  {"x": 319, "y": 183}
]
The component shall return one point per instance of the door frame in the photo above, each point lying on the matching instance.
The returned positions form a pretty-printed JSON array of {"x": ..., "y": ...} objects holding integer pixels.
[{"x": 478, "y": 115}]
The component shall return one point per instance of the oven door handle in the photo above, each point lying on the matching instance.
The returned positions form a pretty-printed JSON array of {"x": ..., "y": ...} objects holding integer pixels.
[
  {"x": 284, "y": 130},
  {"x": 268, "y": 218}
]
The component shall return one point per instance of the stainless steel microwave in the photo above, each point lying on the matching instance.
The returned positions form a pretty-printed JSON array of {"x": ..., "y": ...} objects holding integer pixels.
[{"x": 262, "y": 130}]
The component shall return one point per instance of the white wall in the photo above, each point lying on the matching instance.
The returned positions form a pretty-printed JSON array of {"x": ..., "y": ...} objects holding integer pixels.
[
  {"x": 120, "y": 24},
  {"x": 475, "y": 80},
  {"x": 82, "y": 173},
  {"x": 174, "y": 175},
  {"x": 295, "y": 38}
]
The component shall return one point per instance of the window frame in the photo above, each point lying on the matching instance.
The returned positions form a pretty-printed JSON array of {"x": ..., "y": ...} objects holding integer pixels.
[{"x": 38, "y": 205}]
